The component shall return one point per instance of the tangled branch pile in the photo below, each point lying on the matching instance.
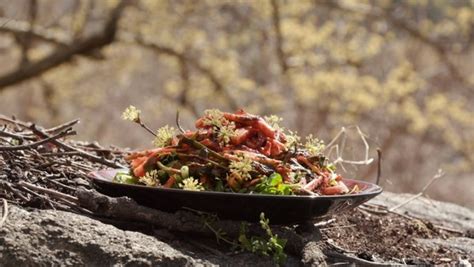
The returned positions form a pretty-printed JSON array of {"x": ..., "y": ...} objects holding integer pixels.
[{"x": 40, "y": 169}]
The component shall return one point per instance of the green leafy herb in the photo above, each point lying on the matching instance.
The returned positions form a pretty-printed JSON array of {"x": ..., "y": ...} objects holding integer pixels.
[
  {"x": 331, "y": 167},
  {"x": 274, "y": 185},
  {"x": 269, "y": 246}
]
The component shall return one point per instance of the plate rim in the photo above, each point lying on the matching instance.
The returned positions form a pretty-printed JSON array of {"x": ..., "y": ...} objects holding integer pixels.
[{"x": 374, "y": 191}]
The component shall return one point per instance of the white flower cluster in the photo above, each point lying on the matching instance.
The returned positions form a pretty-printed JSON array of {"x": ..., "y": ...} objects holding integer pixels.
[
  {"x": 132, "y": 114},
  {"x": 242, "y": 167},
  {"x": 274, "y": 121},
  {"x": 164, "y": 136},
  {"x": 314, "y": 145},
  {"x": 150, "y": 178},
  {"x": 191, "y": 184},
  {"x": 214, "y": 117},
  {"x": 226, "y": 132},
  {"x": 292, "y": 139},
  {"x": 224, "y": 128}
]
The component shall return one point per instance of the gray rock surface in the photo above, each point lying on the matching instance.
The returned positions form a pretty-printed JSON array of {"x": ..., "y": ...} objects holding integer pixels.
[
  {"x": 463, "y": 244},
  {"x": 437, "y": 212},
  {"x": 57, "y": 238}
]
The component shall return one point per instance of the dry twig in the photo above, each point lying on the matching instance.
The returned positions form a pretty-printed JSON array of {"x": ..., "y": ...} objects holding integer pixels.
[
  {"x": 379, "y": 165},
  {"x": 5, "y": 212},
  {"x": 80, "y": 152},
  {"x": 34, "y": 175},
  {"x": 340, "y": 138},
  {"x": 64, "y": 133},
  {"x": 50, "y": 192},
  {"x": 436, "y": 177}
]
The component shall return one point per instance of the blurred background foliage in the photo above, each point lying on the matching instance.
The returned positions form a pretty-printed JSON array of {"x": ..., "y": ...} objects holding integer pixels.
[{"x": 400, "y": 70}]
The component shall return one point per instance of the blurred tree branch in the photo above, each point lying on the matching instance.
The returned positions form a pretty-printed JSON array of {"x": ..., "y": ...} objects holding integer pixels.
[
  {"x": 24, "y": 40},
  {"x": 66, "y": 53},
  {"x": 81, "y": 17},
  {"x": 373, "y": 13},
  {"x": 182, "y": 57},
  {"x": 17, "y": 27},
  {"x": 183, "y": 98},
  {"x": 279, "y": 36}
]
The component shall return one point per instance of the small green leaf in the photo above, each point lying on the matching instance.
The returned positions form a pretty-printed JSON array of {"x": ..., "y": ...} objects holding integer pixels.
[
  {"x": 124, "y": 178},
  {"x": 275, "y": 179}
]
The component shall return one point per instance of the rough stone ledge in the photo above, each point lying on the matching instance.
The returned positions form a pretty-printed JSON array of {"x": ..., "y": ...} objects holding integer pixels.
[{"x": 58, "y": 238}]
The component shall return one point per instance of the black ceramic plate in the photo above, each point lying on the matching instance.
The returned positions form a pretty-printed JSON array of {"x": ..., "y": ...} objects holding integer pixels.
[{"x": 238, "y": 206}]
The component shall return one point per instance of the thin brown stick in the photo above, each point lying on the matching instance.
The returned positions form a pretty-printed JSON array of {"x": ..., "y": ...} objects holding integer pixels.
[
  {"x": 177, "y": 122},
  {"x": 337, "y": 247},
  {"x": 382, "y": 210},
  {"x": 144, "y": 126},
  {"x": 13, "y": 121},
  {"x": 38, "y": 143},
  {"x": 324, "y": 223},
  {"x": 62, "y": 126},
  {"x": 50, "y": 192},
  {"x": 372, "y": 210},
  {"x": 12, "y": 135},
  {"x": 338, "y": 226},
  {"x": 13, "y": 190},
  {"x": 82, "y": 153},
  {"x": 63, "y": 185},
  {"x": 448, "y": 229},
  {"x": 353, "y": 259},
  {"x": 436, "y": 177},
  {"x": 56, "y": 154},
  {"x": 31, "y": 192},
  {"x": 24, "y": 135},
  {"x": 13, "y": 26},
  {"x": 379, "y": 165},
  {"x": 5, "y": 212},
  {"x": 103, "y": 150}
]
